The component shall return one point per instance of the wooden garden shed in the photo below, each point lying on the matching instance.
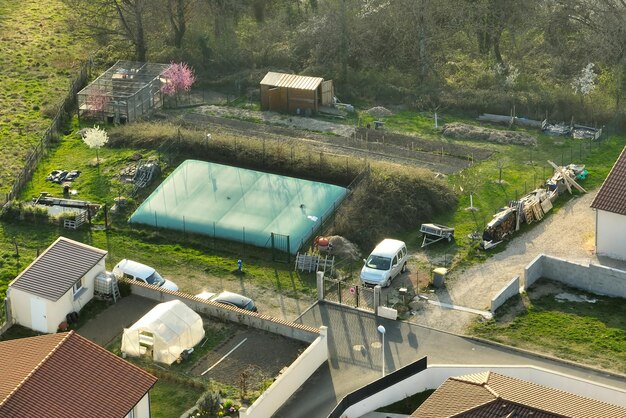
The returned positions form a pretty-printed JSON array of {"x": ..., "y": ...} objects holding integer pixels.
[{"x": 296, "y": 94}]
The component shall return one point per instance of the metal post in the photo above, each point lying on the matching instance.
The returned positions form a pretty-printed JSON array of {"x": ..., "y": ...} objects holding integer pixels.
[
  {"x": 382, "y": 331},
  {"x": 339, "y": 291}
]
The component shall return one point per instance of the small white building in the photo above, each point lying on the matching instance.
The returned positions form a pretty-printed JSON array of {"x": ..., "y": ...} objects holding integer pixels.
[
  {"x": 67, "y": 376},
  {"x": 610, "y": 207},
  {"x": 59, "y": 281}
]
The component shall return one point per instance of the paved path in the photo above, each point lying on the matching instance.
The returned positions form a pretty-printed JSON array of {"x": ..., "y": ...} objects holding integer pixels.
[
  {"x": 108, "y": 324},
  {"x": 355, "y": 357}
]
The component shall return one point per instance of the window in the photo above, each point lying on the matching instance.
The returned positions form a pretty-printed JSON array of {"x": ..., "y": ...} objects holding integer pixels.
[{"x": 78, "y": 285}]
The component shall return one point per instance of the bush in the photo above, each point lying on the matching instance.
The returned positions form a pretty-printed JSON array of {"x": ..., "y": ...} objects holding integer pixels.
[
  {"x": 16, "y": 211},
  {"x": 391, "y": 201}
]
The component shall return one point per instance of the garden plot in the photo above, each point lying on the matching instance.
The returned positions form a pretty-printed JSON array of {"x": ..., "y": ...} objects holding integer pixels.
[{"x": 251, "y": 355}]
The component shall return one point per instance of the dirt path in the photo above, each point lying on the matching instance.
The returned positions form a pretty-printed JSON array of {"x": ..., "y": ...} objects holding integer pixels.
[{"x": 566, "y": 233}]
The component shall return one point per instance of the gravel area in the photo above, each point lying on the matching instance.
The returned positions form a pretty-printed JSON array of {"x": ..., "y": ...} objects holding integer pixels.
[
  {"x": 566, "y": 233},
  {"x": 280, "y": 119}
]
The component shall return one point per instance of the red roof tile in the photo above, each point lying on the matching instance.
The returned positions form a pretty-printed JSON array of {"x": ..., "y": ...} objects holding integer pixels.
[
  {"x": 492, "y": 395},
  {"x": 612, "y": 195},
  {"x": 67, "y": 376}
]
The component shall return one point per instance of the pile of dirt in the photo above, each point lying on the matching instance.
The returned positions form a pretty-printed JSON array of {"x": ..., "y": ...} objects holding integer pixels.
[
  {"x": 458, "y": 130},
  {"x": 379, "y": 112},
  {"x": 344, "y": 248}
]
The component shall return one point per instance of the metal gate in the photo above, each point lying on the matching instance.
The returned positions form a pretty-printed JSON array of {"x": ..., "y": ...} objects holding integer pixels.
[
  {"x": 280, "y": 248},
  {"x": 348, "y": 294}
]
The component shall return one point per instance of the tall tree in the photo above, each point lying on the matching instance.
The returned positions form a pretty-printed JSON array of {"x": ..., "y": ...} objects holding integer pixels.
[
  {"x": 603, "y": 23},
  {"x": 179, "y": 13},
  {"x": 123, "y": 19}
]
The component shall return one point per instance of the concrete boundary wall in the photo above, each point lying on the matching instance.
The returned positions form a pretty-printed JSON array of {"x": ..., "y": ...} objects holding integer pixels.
[
  {"x": 592, "y": 278},
  {"x": 8, "y": 318},
  {"x": 256, "y": 320},
  {"x": 533, "y": 271},
  {"x": 434, "y": 376},
  {"x": 291, "y": 380},
  {"x": 510, "y": 290}
]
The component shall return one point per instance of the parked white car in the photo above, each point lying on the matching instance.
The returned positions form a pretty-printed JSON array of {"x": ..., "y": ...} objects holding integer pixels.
[
  {"x": 133, "y": 270},
  {"x": 384, "y": 263}
]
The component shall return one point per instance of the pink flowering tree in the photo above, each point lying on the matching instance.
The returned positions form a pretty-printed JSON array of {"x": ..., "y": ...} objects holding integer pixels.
[
  {"x": 97, "y": 101},
  {"x": 178, "y": 77}
]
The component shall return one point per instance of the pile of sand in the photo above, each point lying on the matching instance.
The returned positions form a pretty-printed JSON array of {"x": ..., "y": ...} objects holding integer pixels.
[{"x": 379, "y": 112}]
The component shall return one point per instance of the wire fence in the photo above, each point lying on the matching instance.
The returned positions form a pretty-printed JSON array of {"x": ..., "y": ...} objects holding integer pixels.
[{"x": 51, "y": 135}]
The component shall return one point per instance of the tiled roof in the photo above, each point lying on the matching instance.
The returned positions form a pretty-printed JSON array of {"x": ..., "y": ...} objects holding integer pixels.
[
  {"x": 67, "y": 376},
  {"x": 492, "y": 395},
  {"x": 292, "y": 81},
  {"x": 612, "y": 195},
  {"x": 55, "y": 271}
]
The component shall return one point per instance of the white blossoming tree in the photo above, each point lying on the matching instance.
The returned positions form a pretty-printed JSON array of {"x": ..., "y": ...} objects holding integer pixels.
[
  {"x": 586, "y": 82},
  {"x": 95, "y": 138}
]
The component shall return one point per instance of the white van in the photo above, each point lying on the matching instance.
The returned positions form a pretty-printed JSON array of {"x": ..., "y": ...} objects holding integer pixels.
[
  {"x": 384, "y": 263},
  {"x": 133, "y": 270}
]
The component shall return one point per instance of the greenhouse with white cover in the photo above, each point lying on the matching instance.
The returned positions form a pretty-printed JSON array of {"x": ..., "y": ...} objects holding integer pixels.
[{"x": 164, "y": 333}]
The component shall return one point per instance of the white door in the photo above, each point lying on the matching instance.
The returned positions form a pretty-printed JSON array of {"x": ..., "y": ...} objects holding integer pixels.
[{"x": 38, "y": 319}]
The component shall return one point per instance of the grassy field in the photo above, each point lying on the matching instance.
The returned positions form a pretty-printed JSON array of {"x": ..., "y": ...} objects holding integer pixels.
[
  {"x": 39, "y": 55},
  {"x": 170, "y": 399},
  {"x": 589, "y": 333}
]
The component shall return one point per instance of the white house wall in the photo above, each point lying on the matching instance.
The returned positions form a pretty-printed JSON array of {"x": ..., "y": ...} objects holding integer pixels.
[
  {"x": 610, "y": 234},
  {"x": 55, "y": 311},
  {"x": 20, "y": 306},
  {"x": 142, "y": 409}
]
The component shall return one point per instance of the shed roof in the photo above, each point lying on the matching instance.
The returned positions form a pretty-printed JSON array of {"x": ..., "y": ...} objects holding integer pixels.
[
  {"x": 67, "y": 376},
  {"x": 291, "y": 81},
  {"x": 612, "y": 195},
  {"x": 479, "y": 395},
  {"x": 60, "y": 266}
]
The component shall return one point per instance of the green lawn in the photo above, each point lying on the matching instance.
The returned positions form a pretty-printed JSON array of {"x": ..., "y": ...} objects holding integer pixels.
[
  {"x": 169, "y": 399},
  {"x": 590, "y": 333},
  {"x": 524, "y": 169},
  {"x": 39, "y": 55}
]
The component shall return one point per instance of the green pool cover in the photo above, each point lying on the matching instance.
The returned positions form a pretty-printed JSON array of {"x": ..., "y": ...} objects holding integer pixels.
[{"x": 239, "y": 204}]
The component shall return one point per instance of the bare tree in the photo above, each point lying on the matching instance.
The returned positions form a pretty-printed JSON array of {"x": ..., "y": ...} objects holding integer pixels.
[
  {"x": 122, "y": 19},
  {"x": 179, "y": 13}
]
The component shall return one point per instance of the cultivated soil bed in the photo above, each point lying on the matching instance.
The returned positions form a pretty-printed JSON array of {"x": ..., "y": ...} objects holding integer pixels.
[
  {"x": 256, "y": 356},
  {"x": 342, "y": 140}
]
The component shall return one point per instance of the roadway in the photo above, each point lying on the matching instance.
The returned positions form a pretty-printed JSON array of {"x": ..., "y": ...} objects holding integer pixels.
[{"x": 355, "y": 356}]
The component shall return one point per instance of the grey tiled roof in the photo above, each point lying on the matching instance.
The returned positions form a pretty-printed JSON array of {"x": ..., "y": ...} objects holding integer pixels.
[
  {"x": 55, "y": 271},
  {"x": 612, "y": 195}
]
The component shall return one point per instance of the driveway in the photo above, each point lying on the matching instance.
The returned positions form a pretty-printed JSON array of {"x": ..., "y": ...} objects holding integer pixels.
[
  {"x": 110, "y": 323},
  {"x": 355, "y": 357},
  {"x": 566, "y": 233}
]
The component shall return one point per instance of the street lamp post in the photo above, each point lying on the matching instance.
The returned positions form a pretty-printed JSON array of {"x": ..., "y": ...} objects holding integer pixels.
[{"x": 382, "y": 330}]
